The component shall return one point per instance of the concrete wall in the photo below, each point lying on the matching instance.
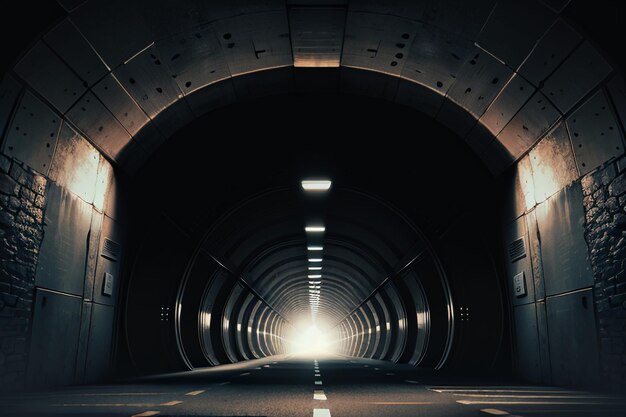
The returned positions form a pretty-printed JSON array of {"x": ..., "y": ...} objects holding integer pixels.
[
  {"x": 565, "y": 200},
  {"x": 58, "y": 211}
]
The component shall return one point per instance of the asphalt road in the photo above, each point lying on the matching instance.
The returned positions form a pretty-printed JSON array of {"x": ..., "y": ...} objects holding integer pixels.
[{"x": 298, "y": 386}]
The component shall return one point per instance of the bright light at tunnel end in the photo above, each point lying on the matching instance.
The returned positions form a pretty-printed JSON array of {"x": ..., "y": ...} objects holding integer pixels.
[{"x": 310, "y": 340}]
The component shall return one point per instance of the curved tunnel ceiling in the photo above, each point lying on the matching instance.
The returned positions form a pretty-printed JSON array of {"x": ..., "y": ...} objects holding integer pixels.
[{"x": 129, "y": 76}]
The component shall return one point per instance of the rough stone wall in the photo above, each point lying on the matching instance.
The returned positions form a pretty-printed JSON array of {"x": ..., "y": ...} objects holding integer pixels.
[
  {"x": 21, "y": 233},
  {"x": 605, "y": 231}
]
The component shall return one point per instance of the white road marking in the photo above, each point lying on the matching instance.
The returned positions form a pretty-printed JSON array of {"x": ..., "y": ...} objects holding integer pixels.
[
  {"x": 399, "y": 402},
  {"x": 318, "y": 382},
  {"x": 172, "y": 403},
  {"x": 408, "y": 381},
  {"x": 266, "y": 366},
  {"x": 168, "y": 404},
  {"x": 195, "y": 392},
  {"x": 494, "y": 412},
  {"x": 321, "y": 412},
  {"x": 318, "y": 394},
  {"x": 245, "y": 373},
  {"x": 377, "y": 369},
  {"x": 146, "y": 414},
  {"x": 466, "y": 402},
  {"x": 586, "y": 397}
]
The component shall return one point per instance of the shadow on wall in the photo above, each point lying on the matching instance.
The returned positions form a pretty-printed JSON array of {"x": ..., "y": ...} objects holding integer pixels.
[{"x": 565, "y": 238}]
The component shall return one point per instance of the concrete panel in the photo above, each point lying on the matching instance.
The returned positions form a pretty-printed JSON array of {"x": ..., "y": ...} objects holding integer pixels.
[
  {"x": 317, "y": 35},
  {"x": 410, "y": 10},
  {"x": 212, "y": 97},
  {"x": 149, "y": 137},
  {"x": 507, "y": 104},
  {"x": 75, "y": 164},
  {"x": 109, "y": 187},
  {"x": 378, "y": 42},
  {"x": 435, "y": 57},
  {"x": 513, "y": 29},
  {"x": 478, "y": 82},
  {"x": 458, "y": 16},
  {"x": 114, "y": 233},
  {"x": 264, "y": 83},
  {"x": 368, "y": 83},
  {"x": 617, "y": 91},
  {"x": 54, "y": 340},
  {"x": 32, "y": 134},
  {"x": 43, "y": 70},
  {"x": 9, "y": 94},
  {"x": 527, "y": 343},
  {"x": 515, "y": 265},
  {"x": 255, "y": 42},
  {"x": 149, "y": 81},
  {"x": 595, "y": 133},
  {"x": 173, "y": 118},
  {"x": 573, "y": 340},
  {"x": 120, "y": 104},
  {"x": 532, "y": 121},
  {"x": 116, "y": 36},
  {"x": 496, "y": 158},
  {"x": 98, "y": 124},
  {"x": 550, "y": 52},
  {"x": 553, "y": 163},
  {"x": 100, "y": 346},
  {"x": 563, "y": 249},
  {"x": 195, "y": 58},
  {"x": 581, "y": 72},
  {"x": 63, "y": 253},
  {"x": 93, "y": 253},
  {"x": 519, "y": 191},
  {"x": 456, "y": 118},
  {"x": 83, "y": 341},
  {"x": 544, "y": 343},
  {"x": 418, "y": 97},
  {"x": 534, "y": 244},
  {"x": 72, "y": 47}
]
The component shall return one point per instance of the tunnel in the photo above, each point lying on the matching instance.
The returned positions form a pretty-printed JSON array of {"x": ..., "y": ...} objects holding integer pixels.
[{"x": 399, "y": 208}]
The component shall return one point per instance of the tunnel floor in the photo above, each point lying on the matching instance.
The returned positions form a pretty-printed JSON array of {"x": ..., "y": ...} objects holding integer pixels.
[{"x": 298, "y": 386}]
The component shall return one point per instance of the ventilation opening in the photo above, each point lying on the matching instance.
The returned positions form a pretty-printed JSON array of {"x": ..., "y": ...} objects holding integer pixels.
[
  {"x": 111, "y": 250},
  {"x": 517, "y": 249}
]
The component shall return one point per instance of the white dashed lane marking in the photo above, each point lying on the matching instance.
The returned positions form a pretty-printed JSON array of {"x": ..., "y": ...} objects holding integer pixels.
[
  {"x": 146, "y": 414},
  {"x": 318, "y": 394},
  {"x": 195, "y": 392},
  {"x": 318, "y": 382},
  {"x": 321, "y": 412}
]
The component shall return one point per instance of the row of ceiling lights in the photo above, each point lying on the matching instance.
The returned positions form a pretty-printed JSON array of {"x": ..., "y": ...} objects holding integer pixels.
[{"x": 315, "y": 262}]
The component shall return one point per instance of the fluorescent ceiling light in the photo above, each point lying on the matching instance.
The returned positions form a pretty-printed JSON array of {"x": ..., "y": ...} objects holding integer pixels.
[
  {"x": 315, "y": 282},
  {"x": 315, "y": 268},
  {"x": 316, "y": 185},
  {"x": 315, "y": 259},
  {"x": 315, "y": 276},
  {"x": 315, "y": 248},
  {"x": 314, "y": 229}
]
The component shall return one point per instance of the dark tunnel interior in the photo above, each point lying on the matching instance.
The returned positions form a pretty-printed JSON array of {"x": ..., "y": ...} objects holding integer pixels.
[
  {"x": 423, "y": 200},
  {"x": 406, "y": 224}
]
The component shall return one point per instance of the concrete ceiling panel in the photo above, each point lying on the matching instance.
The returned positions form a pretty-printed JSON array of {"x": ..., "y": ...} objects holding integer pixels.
[
  {"x": 507, "y": 104},
  {"x": 73, "y": 48},
  {"x": 551, "y": 50},
  {"x": 532, "y": 121},
  {"x": 98, "y": 124},
  {"x": 50, "y": 77},
  {"x": 595, "y": 133},
  {"x": 120, "y": 104},
  {"x": 513, "y": 29},
  {"x": 255, "y": 42},
  {"x": 378, "y": 42},
  {"x": 148, "y": 79},
  {"x": 32, "y": 134},
  {"x": 581, "y": 72}
]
